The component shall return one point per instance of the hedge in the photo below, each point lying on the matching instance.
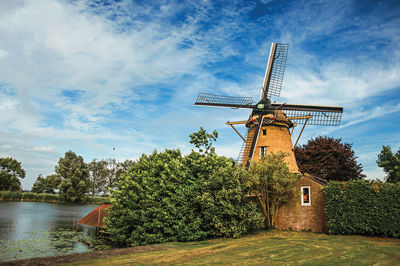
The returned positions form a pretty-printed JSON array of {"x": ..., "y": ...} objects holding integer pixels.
[{"x": 363, "y": 207}]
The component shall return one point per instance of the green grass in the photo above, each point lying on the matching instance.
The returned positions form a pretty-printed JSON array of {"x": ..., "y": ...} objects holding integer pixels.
[
  {"x": 276, "y": 247},
  {"x": 44, "y": 197}
]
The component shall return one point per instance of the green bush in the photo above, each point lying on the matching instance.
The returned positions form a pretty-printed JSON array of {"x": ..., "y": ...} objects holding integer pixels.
[
  {"x": 166, "y": 197},
  {"x": 363, "y": 207}
]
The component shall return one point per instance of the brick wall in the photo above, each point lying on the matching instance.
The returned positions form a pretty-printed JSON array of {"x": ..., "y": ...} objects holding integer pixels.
[{"x": 297, "y": 217}]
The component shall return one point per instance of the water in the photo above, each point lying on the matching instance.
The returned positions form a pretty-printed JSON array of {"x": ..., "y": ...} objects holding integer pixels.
[{"x": 36, "y": 229}]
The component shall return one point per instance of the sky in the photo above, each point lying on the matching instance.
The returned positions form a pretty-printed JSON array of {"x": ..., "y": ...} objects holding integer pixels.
[{"x": 116, "y": 79}]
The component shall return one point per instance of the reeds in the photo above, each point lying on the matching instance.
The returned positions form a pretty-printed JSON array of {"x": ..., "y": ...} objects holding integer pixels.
[{"x": 44, "y": 197}]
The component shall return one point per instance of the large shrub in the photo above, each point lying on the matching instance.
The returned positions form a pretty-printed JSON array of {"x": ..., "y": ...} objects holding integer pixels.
[
  {"x": 363, "y": 207},
  {"x": 165, "y": 197}
]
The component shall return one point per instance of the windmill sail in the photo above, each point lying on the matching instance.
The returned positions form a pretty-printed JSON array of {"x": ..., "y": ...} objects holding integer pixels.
[
  {"x": 248, "y": 147},
  {"x": 275, "y": 70},
  {"x": 319, "y": 115},
  {"x": 208, "y": 99}
]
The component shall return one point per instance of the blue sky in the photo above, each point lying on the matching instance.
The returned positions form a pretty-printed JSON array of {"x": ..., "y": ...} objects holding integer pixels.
[{"x": 89, "y": 76}]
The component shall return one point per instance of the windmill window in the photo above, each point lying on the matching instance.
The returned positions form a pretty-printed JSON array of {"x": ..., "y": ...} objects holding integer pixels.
[
  {"x": 264, "y": 132},
  {"x": 263, "y": 151},
  {"x": 305, "y": 196}
]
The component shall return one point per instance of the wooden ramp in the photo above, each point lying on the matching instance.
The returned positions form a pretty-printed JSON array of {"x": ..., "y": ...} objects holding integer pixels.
[{"x": 95, "y": 217}]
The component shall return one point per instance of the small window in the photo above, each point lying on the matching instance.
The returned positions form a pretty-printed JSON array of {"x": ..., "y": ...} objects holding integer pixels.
[
  {"x": 305, "y": 196},
  {"x": 263, "y": 151},
  {"x": 264, "y": 132}
]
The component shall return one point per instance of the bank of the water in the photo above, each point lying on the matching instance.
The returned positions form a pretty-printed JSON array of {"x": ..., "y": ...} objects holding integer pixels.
[
  {"x": 44, "y": 197},
  {"x": 38, "y": 229}
]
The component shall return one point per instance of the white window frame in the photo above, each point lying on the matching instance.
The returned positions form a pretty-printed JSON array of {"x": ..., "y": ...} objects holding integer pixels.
[
  {"x": 302, "y": 196},
  {"x": 261, "y": 149}
]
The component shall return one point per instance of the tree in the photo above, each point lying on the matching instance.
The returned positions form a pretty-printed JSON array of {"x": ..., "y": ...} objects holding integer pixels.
[
  {"x": 74, "y": 175},
  {"x": 124, "y": 166},
  {"x": 328, "y": 158},
  {"x": 39, "y": 185},
  {"x": 390, "y": 163},
  {"x": 10, "y": 173},
  {"x": 46, "y": 185},
  {"x": 111, "y": 181},
  {"x": 270, "y": 180},
  {"x": 98, "y": 174},
  {"x": 203, "y": 140},
  {"x": 166, "y": 197},
  {"x": 53, "y": 182}
]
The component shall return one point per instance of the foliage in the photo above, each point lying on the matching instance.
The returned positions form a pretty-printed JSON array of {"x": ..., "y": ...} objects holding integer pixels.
[
  {"x": 44, "y": 197},
  {"x": 98, "y": 174},
  {"x": 74, "y": 175},
  {"x": 114, "y": 171},
  {"x": 219, "y": 194},
  {"x": 271, "y": 182},
  {"x": 165, "y": 197},
  {"x": 28, "y": 196},
  {"x": 363, "y": 207},
  {"x": 328, "y": 158},
  {"x": 46, "y": 185},
  {"x": 390, "y": 163},
  {"x": 10, "y": 172},
  {"x": 203, "y": 140}
]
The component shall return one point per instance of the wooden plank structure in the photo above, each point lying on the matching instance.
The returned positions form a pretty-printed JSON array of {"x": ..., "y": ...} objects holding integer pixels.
[{"x": 95, "y": 217}]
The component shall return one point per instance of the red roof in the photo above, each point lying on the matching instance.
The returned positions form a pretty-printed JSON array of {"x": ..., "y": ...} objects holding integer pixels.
[{"x": 93, "y": 218}]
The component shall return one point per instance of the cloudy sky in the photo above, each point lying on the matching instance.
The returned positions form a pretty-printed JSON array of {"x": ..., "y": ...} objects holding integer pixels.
[{"x": 91, "y": 76}]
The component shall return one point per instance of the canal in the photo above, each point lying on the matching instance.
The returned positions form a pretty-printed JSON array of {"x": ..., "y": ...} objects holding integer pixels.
[{"x": 37, "y": 229}]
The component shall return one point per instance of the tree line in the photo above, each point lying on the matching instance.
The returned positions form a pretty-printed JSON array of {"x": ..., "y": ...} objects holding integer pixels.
[
  {"x": 324, "y": 157},
  {"x": 73, "y": 178}
]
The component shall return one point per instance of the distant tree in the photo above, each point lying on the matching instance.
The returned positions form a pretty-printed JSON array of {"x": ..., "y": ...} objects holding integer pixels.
[
  {"x": 39, "y": 185},
  {"x": 203, "y": 140},
  {"x": 10, "y": 173},
  {"x": 98, "y": 174},
  {"x": 328, "y": 158},
  {"x": 74, "y": 175},
  {"x": 46, "y": 185},
  {"x": 53, "y": 182},
  {"x": 115, "y": 170},
  {"x": 271, "y": 182},
  {"x": 124, "y": 166},
  {"x": 112, "y": 167},
  {"x": 390, "y": 163}
]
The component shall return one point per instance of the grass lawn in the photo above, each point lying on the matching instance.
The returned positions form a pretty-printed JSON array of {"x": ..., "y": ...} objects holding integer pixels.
[{"x": 276, "y": 247}]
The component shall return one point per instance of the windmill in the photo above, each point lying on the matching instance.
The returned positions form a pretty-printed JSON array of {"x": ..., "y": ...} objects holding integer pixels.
[{"x": 270, "y": 125}]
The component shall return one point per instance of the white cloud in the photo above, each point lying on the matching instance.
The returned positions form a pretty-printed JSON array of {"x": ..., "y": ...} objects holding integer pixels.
[{"x": 43, "y": 148}]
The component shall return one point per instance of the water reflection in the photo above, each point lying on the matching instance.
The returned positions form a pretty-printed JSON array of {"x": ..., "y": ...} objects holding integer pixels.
[{"x": 35, "y": 229}]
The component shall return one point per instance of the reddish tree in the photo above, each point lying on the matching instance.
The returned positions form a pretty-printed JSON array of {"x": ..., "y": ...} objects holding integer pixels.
[{"x": 328, "y": 158}]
